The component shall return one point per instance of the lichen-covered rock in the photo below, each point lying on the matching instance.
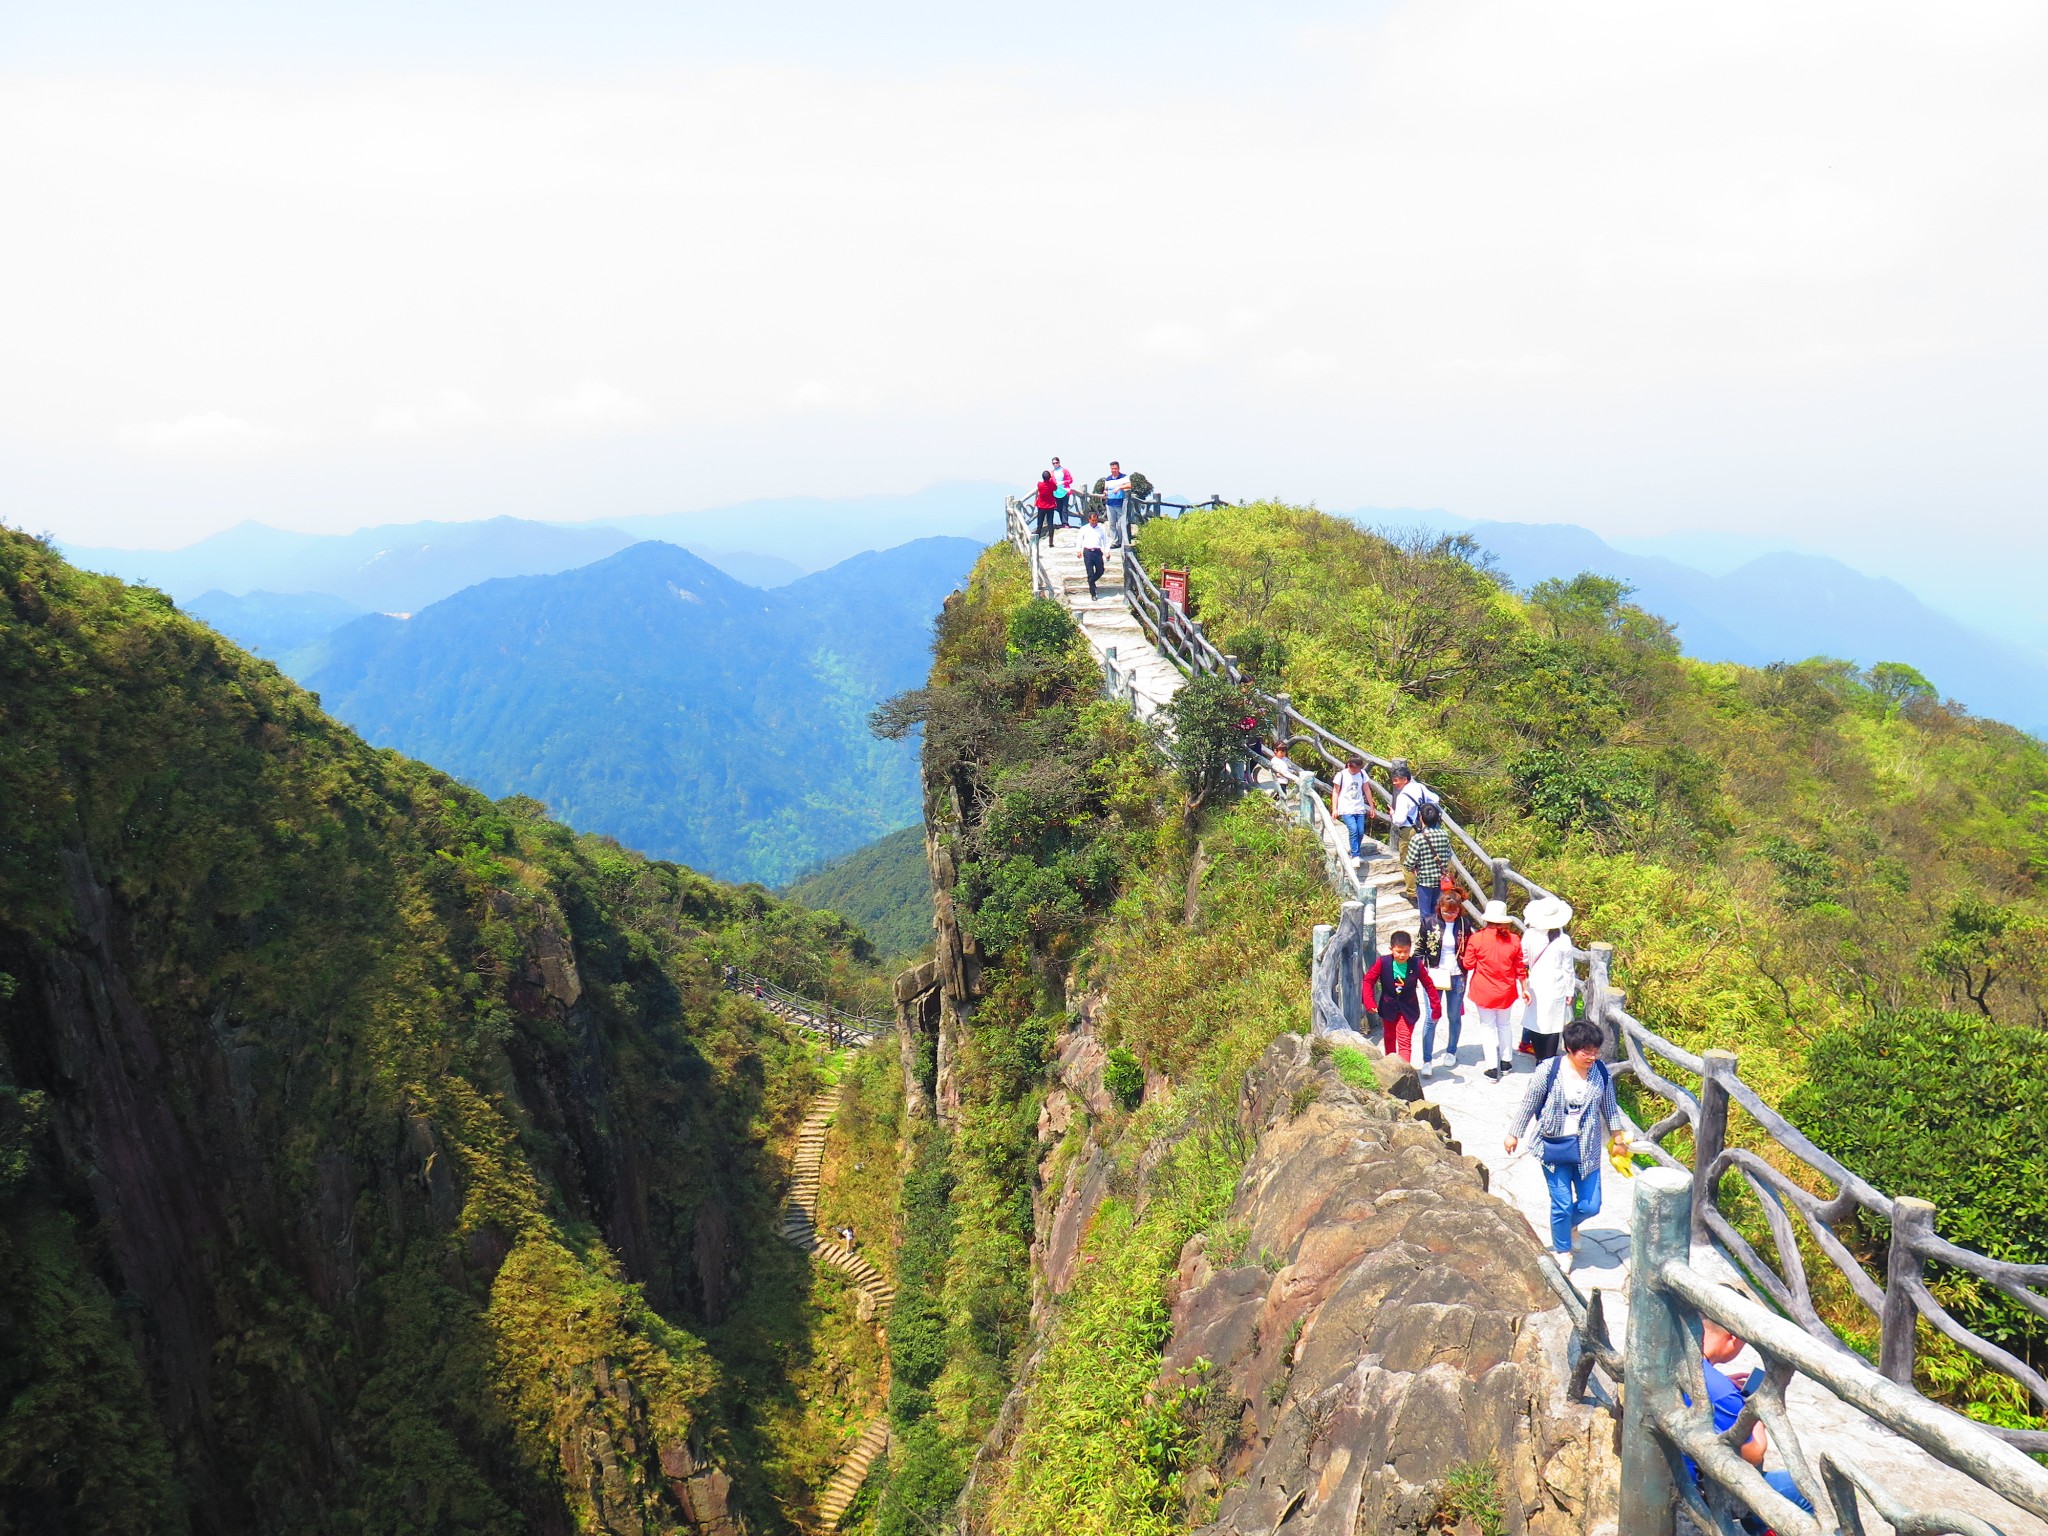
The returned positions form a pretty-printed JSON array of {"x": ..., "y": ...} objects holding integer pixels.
[{"x": 1375, "y": 1322}]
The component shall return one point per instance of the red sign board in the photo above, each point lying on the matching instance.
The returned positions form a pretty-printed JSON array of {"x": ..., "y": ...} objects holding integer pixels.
[{"x": 1175, "y": 585}]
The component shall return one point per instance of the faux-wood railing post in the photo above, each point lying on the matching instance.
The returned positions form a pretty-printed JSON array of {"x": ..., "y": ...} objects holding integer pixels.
[
  {"x": 1600, "y": 1000},
  {"x": 1500, "y": 879},
  {"x": 1351, "y": 972},
  {"x": 1710, "y": 1136},
  {"x": 1658, "y": 1344},
  {"x": 1282, "y": 703},
  {"x": 1912, "y": 1222}
]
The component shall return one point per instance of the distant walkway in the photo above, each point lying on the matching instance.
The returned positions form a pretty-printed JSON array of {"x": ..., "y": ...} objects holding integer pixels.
[{"x": 1148, "y": 680}]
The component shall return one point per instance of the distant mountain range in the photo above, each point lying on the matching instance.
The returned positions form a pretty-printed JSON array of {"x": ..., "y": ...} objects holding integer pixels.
[
  {"x": 653, "y": 697},
  {"x": 1778, "y": 606}
]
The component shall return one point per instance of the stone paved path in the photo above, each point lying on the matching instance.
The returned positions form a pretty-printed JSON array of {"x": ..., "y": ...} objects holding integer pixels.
[{"x": 1107, "y": 622}]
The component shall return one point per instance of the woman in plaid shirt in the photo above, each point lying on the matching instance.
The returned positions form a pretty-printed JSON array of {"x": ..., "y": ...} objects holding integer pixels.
[{"x": 1429, "y": 855}]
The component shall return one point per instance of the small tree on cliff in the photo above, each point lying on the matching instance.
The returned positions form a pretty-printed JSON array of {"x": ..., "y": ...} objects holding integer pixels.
[{"x": 1213, "y": 725}]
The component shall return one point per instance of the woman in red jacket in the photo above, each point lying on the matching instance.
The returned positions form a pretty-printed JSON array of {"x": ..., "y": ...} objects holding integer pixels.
[
  {"x": 1395, "y": 976},
  {"x": 1498, "y": 987},
  {"x": 1046, "y": 500}
]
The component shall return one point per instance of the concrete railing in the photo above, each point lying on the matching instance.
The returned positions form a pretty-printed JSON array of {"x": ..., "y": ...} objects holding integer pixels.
[{"x": 1669, "y": 1417}]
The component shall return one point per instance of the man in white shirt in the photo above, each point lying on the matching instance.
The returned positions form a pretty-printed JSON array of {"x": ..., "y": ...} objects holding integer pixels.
[
  {"x": 1094, "y": 540},
  {"x": 1410, "y": 795},
  {"x": 1348, "y": 801}
]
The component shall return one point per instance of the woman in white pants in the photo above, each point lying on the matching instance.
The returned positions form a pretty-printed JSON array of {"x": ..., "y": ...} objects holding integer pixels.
[
  {"x": 1498, "y": 985},
  {"x": 1553, "y": 978}
]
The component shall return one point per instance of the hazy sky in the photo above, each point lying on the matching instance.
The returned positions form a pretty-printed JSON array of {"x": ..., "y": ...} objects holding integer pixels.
[{"x": 1772, "y": 268}]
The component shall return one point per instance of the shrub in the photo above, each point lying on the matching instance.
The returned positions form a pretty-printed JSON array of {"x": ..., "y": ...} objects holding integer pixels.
[
  {"x": 1042, "y": 627},
  {"x": 1212, "y": 723},
  {"x": 1947, "y": 1107},
  {"x": 1123, "y": 1078}
]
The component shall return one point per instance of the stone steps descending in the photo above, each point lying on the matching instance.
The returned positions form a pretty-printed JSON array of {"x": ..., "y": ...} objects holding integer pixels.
[{"x": 839, "y": 1493}]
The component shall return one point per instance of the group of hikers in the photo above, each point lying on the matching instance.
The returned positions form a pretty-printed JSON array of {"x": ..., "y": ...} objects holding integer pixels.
[{"x": 1056, "y": 502}]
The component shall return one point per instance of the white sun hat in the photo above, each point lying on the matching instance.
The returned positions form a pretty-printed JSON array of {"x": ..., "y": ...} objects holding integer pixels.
[
  {"x": 1496, "y": 912},
  {"x": 1547, "y": 912}
]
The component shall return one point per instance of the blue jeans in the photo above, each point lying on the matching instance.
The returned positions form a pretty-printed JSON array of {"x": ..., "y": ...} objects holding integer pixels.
[
  {"x": 1354, "y": 823},
  {"x": 1454, "y": 1015},
  {"x": 1425, "y": 900},
  {"x": 1574, "y": 1196}
]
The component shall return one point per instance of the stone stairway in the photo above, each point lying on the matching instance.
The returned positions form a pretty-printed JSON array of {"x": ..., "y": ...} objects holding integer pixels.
[
  {"x": 1107, "y": 622},
  {"x": 838, "y": 1495},
  {"x": 800, "y": 1230}
]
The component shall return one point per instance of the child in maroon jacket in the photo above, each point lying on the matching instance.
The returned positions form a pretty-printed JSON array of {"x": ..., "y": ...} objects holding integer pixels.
[{"x": 1395, "y": 977}]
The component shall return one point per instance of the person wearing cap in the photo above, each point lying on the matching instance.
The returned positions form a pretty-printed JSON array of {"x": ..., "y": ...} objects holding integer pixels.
[
  {"x": 1062, "y": 487},
  {"x": 1499, "y": 984},
  {"x": 1553, "y": 978}
]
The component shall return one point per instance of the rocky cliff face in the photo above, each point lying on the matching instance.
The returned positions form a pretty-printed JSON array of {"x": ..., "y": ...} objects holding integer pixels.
[
  {"x": 373, "y": 1158},
  {"x": 1381, "y": 1327}
]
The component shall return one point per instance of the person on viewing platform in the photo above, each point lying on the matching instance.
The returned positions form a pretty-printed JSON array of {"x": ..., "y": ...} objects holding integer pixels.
[
  {"x": 1717, "y": 1347},
  {"x": 1389, "y": 989},
  {"x": 1442, "y": 933},
  {"x": 1570, "y": 1098},
  {"x": 1047, "y": 503},
  {"x": 1499, "y": 985},
  {"x": 1116, "y": 485},
  {"x": 1348, "y": 800},
  {"x": 1428, "y": 856},
  {"x": 1553, "y": 978},
  {"x": 1062, "y": 488},
  {"x": 1094, "y": 540}
]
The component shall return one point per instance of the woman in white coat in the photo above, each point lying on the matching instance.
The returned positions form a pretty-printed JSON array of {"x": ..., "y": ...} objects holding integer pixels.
[{"x": 1553, "y": 979}]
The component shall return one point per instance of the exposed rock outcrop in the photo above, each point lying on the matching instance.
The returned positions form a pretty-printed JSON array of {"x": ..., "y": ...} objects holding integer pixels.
[{"x": 1381, "y": 1324}]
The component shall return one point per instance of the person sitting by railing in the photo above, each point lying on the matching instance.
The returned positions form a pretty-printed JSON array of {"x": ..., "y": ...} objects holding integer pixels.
[
  {"x": 1094, "y": 541},
  {"x": 1570, "y": 1099},
  {"x": 1389, "y": 990},
  {"x": 1717, "y": 1347},
  {"x": 1428, "y": 856}
]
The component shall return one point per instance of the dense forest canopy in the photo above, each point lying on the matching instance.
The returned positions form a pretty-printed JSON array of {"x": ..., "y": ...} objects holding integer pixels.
[{"x": 373, "y": 1156}]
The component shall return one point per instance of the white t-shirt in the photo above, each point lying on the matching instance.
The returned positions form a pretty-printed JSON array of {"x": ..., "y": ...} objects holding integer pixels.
[
  {"x": 1578, "y": 1098},
  {"x": 1350, "y": 792},
  {"x": 1094, "y": 536},
  {"x": 1409, "y": 801}
]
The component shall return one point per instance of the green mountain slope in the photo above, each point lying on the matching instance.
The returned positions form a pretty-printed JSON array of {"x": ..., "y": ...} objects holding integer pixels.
[
  {"x": 652, "y": 697},
  {"x": 884, "y": 889},
  {"x": 373, "y": 1158}
]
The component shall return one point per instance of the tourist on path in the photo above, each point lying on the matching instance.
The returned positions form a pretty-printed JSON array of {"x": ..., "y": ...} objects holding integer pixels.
[
  {"x": 1047, "y": 503},
  {"x": 1410, "y": 796},
  {"x": 1499, "y": 985},
  {"x": 1062, "y": 486},
  {"x": 1553, "y": 978},
  {"x": 1094, "y": 540},
  {"x": 1389, "y": 989},
  {"x": 1570, "y": 1099},
  {"x": 1428, "y": 857},
  {"x": 1115, "y": 486},
  {"x": 1438, "y": 949},
  {"x": 1348, "y": 800}
]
